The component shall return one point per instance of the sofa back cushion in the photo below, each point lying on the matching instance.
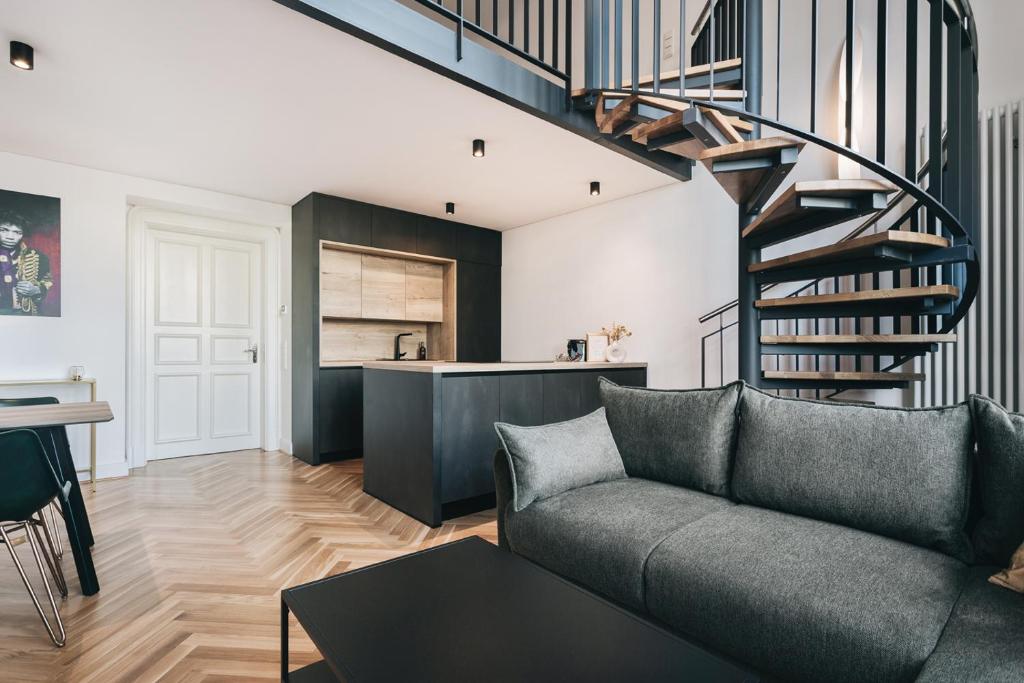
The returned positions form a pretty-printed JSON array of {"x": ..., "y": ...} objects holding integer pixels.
[
  {"x": 684, "y": 438},
  {"x": 901, "y": 473},
  {"x": 554, "y": 458},
  {"x": 1000, "y": 482}
]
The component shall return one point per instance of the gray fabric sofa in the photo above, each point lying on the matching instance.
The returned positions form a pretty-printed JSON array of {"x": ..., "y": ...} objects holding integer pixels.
[{"x": 811, "y": 541}]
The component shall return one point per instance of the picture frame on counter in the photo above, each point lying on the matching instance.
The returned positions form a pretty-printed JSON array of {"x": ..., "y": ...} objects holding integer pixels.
[
  {"x": 597, "y": 343},
  {"x": 576, "y": 350}
]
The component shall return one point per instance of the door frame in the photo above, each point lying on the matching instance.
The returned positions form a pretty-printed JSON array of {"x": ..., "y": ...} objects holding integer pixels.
[{"x": 140, "y": 220}]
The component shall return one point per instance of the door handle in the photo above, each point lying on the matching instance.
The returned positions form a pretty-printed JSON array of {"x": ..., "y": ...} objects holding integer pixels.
[{"x": 254, "y": 350}]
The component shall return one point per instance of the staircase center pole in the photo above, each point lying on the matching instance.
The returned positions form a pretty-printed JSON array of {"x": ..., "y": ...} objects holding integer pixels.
[{"x": 749, "y": 327}]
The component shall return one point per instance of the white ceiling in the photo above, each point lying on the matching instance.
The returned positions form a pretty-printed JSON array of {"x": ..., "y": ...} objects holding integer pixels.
[{"x": 250, "y": 98}]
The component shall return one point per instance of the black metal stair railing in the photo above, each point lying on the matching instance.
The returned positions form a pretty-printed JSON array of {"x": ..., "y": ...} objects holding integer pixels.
[
  {"x": 538, "y": 32},
  {"x": 941, "y": 198},
  {"x": 949, "y": 203}
]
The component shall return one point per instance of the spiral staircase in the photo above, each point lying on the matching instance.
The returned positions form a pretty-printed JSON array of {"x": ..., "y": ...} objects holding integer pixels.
[{"x": 853, "y": 314}]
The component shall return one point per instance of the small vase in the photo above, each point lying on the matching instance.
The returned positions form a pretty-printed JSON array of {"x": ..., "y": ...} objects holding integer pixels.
[{"x": 615, "y": 353}]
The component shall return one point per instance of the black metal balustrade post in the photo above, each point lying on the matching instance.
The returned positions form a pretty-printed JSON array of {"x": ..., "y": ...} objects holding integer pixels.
[{"x": 749, "y": 290}]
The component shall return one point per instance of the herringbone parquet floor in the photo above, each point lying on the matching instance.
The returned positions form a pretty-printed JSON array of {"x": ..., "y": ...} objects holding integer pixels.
[{"x": 191, "y": 556}]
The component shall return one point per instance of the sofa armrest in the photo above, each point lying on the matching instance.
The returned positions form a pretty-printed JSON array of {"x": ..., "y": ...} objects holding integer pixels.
[{"x": 502, "y": 493}]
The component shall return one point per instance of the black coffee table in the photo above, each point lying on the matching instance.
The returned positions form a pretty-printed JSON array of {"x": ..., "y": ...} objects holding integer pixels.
[{"x": 469, "y": 611}]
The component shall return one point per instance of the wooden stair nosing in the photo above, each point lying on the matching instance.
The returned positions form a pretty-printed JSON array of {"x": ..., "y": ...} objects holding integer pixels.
[
  {"x": 868, "y": 295},
  {"x": 902, "y": 239},
  {"x": 785, "y": 204}
]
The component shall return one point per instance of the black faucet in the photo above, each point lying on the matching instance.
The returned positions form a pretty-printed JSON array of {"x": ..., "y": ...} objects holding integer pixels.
[{"x": 398, "y": 340}]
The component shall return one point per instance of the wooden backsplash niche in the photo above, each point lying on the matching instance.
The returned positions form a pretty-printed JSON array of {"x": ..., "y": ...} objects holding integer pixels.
[{"x": 368, "y": 295}]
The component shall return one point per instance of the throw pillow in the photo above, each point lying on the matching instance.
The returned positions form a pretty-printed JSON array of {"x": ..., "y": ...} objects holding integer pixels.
[
  {"x": 685, "y": 438},
  {"x": 551, "y": 459},
  {"x": 1000, "y": 474},
  {"x": 1012, "y": 578}
]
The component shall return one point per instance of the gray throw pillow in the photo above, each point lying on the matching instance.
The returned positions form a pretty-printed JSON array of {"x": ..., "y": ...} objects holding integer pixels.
[
  {"x": 551, "y": 459},
  {"x": 901, "y": 473},
  {"x": 1000, "y": 437},
  {"x": 685, "y": 438}
]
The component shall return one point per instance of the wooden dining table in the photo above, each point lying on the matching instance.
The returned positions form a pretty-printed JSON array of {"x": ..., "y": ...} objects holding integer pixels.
[{"x": 58, "y": 415}]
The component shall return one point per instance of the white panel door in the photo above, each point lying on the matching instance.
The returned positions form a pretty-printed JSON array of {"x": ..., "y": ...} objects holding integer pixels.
[{"x": 203, "y": 330}]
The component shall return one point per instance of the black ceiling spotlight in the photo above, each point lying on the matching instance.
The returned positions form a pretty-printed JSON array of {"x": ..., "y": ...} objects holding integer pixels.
[
  {"x": 449, "y": 208},
  {"x": 22, "y": 55},
  {"x": 595, "y": 188},
  {"x": 478, "y": 148}
]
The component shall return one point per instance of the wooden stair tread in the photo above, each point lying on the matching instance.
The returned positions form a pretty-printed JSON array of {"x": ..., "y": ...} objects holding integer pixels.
[
  {"x": 619, "y": 115},
  {"x": 860, "y": 246},
  {"x": 786, "y": 204},
  {"x": 746, "y": 149},
  {"x": 673, "y": 74},
  {"x": 722, "y": 123},
  {"x": 899, "y": 294},
  {"x": 753, "y": 185},
  {"x": 858, "y": 339},
  {"x": 844, "y": 376}
]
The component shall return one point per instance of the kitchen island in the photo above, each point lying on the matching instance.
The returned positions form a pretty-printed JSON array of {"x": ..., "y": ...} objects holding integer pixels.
[{"x": 428, "y": 426}]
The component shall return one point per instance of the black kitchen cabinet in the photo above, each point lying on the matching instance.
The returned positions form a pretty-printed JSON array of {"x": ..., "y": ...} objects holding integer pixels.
[
  {"x": 561, "y": 396},
  {"x": 342, "y": 220},
  {"x": 435, "y": 237},
  {"x": 479, "y": 245},
  {"x": 521, "y": 398},
  {"x": 341, "y": 413},
  {"x": 478, "y": 312},
  {"x": 468, "y": 431},
  {"x": 326, "y": 417},
  {"x": 440, "y": 463},
  {"x": 394, "y": 229}
]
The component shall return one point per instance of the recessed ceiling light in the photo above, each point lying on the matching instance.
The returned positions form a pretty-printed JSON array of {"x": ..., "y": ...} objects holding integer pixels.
[
  {"x": 22, "y": 55},
  {"x": 595, "y": 188},
  {"x": 449, "y": 208},
  {"x": 478, "y": 148}
]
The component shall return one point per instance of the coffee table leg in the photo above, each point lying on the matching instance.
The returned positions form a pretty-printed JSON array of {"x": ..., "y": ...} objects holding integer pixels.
[{"x": 284, "y": 641}]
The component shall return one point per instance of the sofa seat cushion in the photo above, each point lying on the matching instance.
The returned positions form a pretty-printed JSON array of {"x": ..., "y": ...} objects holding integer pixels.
[
  {"x": 803, "y": 600},
  {"x": 984, "y": 637},
  {"x": 902, "y": 473},
  {"x": 601, "y": 535}
]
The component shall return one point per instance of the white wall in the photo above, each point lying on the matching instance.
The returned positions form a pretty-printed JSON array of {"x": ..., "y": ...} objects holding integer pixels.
[
  {"x": 999, "y": 51},
  {"x": 654, "y": 261},
  {"x": 92, "y": 328}
]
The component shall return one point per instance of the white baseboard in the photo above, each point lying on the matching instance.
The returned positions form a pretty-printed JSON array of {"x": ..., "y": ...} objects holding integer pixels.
[
  {"x": 107, "y": 470},
  {"x": 286, "y": 446}
]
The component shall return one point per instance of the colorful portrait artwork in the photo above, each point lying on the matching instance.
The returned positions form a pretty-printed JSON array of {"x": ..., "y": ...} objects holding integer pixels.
[{"x": 29, "y": 254}]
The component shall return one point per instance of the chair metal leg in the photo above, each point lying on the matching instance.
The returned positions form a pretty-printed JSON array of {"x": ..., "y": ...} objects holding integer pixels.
[
  {"x": 53, "y": 531},
  {"x": 58, "y": 641},
  {"x": 51, "y": 557}
]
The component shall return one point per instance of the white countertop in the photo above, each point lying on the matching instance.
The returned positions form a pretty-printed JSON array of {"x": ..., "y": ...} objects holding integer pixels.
[{"x": 447, "y": 367}]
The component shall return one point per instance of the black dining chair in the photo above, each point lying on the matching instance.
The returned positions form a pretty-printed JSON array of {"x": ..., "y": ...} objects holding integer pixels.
[
  {"x": 28, "y": 484},
  {"x": 55, "y": 442}
]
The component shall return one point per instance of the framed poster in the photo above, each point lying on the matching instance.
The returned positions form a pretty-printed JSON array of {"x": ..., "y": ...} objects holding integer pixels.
[{"x": 29, "y": 254}]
